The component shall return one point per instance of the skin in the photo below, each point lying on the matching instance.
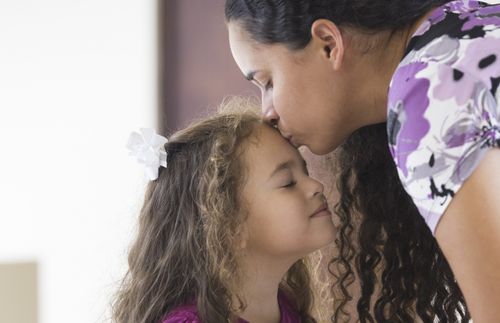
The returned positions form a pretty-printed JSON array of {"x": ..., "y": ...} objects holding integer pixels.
[
  {"x": 469, "y": 235},
  {"x": 279, "y": 229},
  {"x": 319, "y": 95},
  {"x": 303, "y": 113}
]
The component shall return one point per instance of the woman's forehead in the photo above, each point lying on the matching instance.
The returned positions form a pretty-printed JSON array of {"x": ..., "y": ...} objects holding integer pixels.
[
  {"x": 237, "y": 33},
  {"x": 252, "y": 57},
  {"x": 246, "y": 52}
]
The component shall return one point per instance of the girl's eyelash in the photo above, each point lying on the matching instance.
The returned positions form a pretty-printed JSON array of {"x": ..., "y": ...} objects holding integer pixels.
[
  {"x": 291, "y": 184},
  {"x": 268, "y": 85}
]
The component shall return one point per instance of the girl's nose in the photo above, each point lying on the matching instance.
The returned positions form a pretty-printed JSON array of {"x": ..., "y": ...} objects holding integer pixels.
[{"x": 317, "y": 188}]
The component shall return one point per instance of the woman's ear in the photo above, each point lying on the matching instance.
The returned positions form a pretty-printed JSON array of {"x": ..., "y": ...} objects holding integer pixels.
[{"x": 329, "y": 37}]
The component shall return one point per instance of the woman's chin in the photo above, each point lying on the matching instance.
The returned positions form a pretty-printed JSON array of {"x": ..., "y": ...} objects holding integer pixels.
[{"x": 319, "y": 149}]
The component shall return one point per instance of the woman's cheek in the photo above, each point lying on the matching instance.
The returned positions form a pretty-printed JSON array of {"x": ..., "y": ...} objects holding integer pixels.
[{"x": 278, "y": 101}]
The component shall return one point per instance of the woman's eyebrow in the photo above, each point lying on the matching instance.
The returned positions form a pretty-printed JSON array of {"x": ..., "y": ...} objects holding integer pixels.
[{"x": 250, "y": 75}]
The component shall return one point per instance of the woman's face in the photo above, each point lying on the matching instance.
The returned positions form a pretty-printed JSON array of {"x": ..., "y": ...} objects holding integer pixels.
[{"x": 303, "y": 92}]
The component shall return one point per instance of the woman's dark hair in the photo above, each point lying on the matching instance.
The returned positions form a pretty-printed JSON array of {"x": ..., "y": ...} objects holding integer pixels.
[
  {"x": 289, "y": 22},
  {"x": 383, "y": 236},
  {"x": 383, "y": 242}
]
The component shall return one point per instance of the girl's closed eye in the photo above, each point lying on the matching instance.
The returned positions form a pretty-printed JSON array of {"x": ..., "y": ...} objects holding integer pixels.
[{"x": 290, "y": 184}]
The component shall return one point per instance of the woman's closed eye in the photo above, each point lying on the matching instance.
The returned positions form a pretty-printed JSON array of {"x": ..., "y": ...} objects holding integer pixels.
[{"x": 268, "y": 85}]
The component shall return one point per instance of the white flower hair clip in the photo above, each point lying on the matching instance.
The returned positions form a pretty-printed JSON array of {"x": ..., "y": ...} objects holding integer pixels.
[{"x": 148, "y": 147}]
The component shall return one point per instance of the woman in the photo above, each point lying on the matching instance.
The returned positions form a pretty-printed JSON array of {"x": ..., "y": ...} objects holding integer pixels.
[{"x": 420, "y": 78}]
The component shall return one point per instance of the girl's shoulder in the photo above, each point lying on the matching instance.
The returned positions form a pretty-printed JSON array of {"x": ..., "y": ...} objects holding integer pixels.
[
  {"x": 183, "y": 314},
  {"x": 189, "y": 313}
]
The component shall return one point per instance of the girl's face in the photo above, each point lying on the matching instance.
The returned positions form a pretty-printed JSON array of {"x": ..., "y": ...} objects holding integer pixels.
[
  {"x": 304, "y": 92},
  {"x": 288, "y": 216}
]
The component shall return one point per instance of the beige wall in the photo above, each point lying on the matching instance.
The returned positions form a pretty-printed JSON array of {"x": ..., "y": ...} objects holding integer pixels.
[{"x": 18, "y": 293}]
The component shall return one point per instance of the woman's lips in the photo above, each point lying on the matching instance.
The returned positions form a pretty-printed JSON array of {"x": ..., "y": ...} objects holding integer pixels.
[
  {"x": 321, "y": 211},
  {"x": 291, "y": 141},
  {"x": 288, "y": 137}
]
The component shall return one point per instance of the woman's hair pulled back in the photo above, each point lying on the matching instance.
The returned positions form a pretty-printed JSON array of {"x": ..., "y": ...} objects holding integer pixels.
[{"x": 289, "y": 22}]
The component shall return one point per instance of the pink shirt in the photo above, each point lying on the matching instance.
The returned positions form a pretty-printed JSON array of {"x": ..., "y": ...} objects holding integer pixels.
[{"x": 189, "y": 313}]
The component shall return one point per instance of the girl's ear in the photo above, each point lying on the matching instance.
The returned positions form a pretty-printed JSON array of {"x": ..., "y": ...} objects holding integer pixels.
[{"x": 328, "y": 36}]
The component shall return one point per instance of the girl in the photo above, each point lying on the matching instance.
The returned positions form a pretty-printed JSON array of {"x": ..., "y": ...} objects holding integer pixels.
[
  {"x": 410, "y": 92},
  {"x": 225, "y": 226}
]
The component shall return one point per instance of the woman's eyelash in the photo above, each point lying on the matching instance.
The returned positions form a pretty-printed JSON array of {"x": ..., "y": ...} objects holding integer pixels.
[{"x": 268, "y": 85}]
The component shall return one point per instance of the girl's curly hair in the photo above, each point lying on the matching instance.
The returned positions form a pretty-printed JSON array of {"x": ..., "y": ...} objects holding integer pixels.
[{"x": 189, "y": 227}]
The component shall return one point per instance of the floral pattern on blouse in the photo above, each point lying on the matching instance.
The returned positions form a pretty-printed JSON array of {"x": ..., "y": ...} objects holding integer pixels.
[{"x": 444, "y": 112}]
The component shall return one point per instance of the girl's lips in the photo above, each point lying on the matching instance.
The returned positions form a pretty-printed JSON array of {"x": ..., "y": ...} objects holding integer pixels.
[
  {"x": 322, "y": 214},
  {"x": 321, "y": 211}
]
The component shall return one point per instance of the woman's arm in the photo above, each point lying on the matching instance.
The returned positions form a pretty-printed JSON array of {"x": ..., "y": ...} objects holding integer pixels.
[{"x": 469, "y": 235}]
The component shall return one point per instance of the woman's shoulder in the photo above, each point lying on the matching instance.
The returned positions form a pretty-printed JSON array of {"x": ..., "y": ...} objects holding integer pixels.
[
  {"x": 183, "y": 314},
  {"x": 459, "y": 33},
  {"x": 443, "y": 103},
  {"x": 441, "y": 121}
]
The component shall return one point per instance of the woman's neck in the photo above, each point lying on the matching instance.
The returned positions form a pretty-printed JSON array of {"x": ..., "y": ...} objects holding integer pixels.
[
  {"x": 262, "y": 278},
  {"x": 373, "y": 66},
  {"x": 379, "y": 64}
]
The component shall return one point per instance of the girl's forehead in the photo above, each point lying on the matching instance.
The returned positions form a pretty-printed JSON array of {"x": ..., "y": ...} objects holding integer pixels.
[{"x": 267, "y": 147}]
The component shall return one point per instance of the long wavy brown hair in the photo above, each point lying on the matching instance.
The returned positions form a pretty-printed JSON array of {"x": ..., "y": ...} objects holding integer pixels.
[{"x": 190, "y": 225}]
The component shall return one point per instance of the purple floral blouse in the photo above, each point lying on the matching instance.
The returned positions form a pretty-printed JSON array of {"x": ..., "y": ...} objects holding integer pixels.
[
  {"x": 189, "y": 313},
  {"x": 444, "y": 111}
]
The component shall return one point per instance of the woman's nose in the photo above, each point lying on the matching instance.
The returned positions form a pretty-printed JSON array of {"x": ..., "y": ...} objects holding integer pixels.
[{"x": 269, "y": 114}]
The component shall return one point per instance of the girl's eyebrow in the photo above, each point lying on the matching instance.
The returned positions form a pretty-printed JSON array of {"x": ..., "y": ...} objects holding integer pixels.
[
  {"x": 304, "y": 165},
  {"x": 288, "y": 164},
  {"x": 281, "y": 166}
]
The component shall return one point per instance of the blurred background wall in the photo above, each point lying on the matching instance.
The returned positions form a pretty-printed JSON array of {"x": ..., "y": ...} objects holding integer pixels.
[
  {"x": 197, "y": 67},
  {"x": 75, "y": 78}
]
